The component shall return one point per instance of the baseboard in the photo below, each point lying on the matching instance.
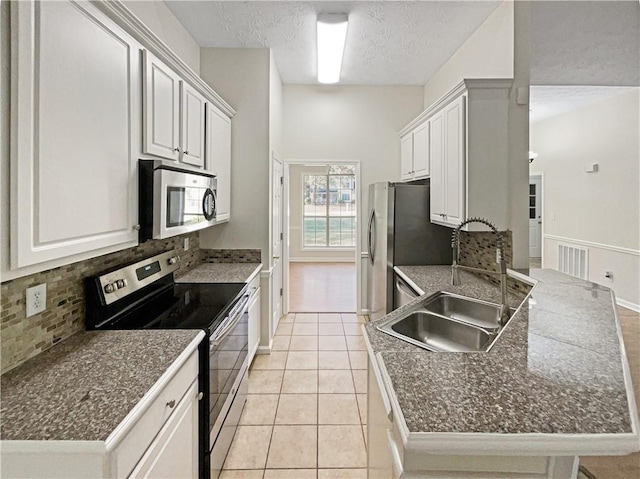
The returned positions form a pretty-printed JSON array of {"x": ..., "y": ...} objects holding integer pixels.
[
  {"x": 265, "y": 349},
  {"x": 628, "y": 304},
  {"x": 322, "y": 260}
]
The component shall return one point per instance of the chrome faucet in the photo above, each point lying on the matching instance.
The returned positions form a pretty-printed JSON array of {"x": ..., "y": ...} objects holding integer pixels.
[{"x": 455, "y": 277}]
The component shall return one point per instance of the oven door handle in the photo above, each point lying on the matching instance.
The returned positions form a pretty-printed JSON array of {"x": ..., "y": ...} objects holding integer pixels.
[{"x": 226, "y": 329}]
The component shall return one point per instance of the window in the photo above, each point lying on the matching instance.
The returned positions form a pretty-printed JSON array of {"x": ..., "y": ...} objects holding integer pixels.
[{"x": 329, "y": 209}]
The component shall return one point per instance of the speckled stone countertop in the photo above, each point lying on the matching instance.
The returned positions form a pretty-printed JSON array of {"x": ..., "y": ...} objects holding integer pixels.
[
  {"x": 220, "y": 273},
  {"x": 557, "y": 367},
  {"x": 83, "y": 387}
]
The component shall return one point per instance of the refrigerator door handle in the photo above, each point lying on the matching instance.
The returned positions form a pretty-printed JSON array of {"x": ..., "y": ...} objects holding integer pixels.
[{"x": 371, "y": 238}]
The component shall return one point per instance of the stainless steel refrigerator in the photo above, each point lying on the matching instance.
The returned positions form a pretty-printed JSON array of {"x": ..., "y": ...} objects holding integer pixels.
[{"x": 400, "y": 233}]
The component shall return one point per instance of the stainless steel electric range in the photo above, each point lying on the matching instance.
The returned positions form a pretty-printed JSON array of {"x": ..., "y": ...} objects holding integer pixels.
[{"x": 143, "y": 295}]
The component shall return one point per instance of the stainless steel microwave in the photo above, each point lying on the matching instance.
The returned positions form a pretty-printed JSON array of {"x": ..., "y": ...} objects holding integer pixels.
[{"x": 173, "y": 199}]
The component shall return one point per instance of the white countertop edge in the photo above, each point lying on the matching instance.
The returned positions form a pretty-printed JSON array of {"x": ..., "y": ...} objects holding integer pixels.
[
  {"x": 626, "y": 372},
  {"x": 138, "y": 410},
  {"x": 255, "y": 273},
  {"x": 57, "y": 447},
  {"x": 525, "y": 444}
]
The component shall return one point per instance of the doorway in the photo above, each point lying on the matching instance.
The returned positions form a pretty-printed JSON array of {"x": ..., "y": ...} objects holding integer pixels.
[
  {"x": 535, "y": 220},
  {"x": 321, "y": 236}
]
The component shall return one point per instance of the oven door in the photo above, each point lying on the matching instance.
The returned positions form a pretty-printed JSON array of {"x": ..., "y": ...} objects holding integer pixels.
[
  {"x": 228, "y": 347},
  {"x": 183, "y": 202}
]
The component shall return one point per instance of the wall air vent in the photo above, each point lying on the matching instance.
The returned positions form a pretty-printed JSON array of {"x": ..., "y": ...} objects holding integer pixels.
[{"x": 573, "y": 260}]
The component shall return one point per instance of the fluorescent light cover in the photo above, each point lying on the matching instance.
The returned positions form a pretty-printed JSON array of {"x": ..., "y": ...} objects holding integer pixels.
[{"x": 332, "y": 33}]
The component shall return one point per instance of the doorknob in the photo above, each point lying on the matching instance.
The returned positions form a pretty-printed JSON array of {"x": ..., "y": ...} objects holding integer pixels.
[{"x": 276, "y": 257}]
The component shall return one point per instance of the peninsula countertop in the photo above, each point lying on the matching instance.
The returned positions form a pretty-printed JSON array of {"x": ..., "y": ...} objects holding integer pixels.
[
  {"x": 556, "y": 381},
  {"x": 82, "y": 388}
]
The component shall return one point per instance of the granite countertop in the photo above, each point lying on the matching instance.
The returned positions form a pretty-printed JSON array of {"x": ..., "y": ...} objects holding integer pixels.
[
  {"x": 557, "y": 367},
  {"x": 220, "y": 273},
  {"x": 83, "y": 387}
]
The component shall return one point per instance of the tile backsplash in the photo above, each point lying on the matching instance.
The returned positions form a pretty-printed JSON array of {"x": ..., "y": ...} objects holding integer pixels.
[
  {"x": 230, "y": 255},
  {"x": 22, "y": 338}
]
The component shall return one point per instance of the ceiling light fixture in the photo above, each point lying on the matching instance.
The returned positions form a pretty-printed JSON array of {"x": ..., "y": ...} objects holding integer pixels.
[{"x": 332, "y": 33}]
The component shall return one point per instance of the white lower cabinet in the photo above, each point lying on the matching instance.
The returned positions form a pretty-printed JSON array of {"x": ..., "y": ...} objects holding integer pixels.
[
  {"x": 254, "y": 317},
  {"x": 174, "y": 452}
]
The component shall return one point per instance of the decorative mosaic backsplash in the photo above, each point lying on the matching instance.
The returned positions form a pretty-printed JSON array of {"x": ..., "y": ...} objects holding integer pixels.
[
  {"x": 478, "y": 250},
  {"x": 22, "y": 338},
  {"x": 230, "y": 256}
]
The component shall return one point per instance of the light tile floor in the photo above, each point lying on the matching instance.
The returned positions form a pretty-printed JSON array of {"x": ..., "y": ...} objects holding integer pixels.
[{"x": 305, "y": 415}]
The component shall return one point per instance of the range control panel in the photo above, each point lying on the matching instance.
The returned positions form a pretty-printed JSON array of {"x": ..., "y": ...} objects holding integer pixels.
[{"x": 124, "y": 281}]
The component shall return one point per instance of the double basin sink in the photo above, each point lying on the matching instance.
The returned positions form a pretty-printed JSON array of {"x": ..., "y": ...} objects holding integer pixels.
[{"x": 448, "y": 322}]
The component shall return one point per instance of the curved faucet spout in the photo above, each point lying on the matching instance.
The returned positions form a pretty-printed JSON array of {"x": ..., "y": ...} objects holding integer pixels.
[{"x": 455, "y": 277}]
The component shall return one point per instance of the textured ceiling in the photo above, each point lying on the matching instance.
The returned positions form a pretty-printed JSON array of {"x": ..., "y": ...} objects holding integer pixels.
[
  {"x": 388, "y": 43},
  {"x": 549, "y": 101},
  {"x": 585, "y": 43}
]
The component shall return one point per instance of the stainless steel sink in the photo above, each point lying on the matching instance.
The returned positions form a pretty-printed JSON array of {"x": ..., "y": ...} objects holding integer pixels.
[
  {"x": 449, "y": 323},
  {"x": 440, "y": 334},
  {"x": 467, "y": 310}
]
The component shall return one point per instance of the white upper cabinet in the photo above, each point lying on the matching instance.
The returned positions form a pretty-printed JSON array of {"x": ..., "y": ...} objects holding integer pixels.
[
  {"x": 173, "y": 115},
  {"x": 75, "y": 124},
  {"x": 192, "y": 126},
  {"x": 218, "y": 156},
  {"x": 414, "y": 153},
  {"x": 467, "y": 139},
  {"x": 161, "y": 109}
]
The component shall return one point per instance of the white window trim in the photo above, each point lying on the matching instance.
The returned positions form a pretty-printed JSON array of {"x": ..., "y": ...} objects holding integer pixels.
[{"x": 350, "y": 249}]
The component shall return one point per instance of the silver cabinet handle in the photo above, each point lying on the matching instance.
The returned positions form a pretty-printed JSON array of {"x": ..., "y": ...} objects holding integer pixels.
[
  {"x": 186, "y": 152},
  {"x": 171, "y": 403},
  {"x": 200, "y": 396},
  {"x": 177, "y": 149},
  {"x": 136, "y": 227}
]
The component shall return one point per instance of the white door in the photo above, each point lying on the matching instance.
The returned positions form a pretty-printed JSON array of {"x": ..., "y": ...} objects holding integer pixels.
[
  {"x": 406, "y": 156},
  {"x": 192, "y": 121},
  {"x": 218, "y": 148},
  {"x": 421, "y": 150},
  {"x": 161, "y": 109},
  {"x": 535, "y": 217},
  {"x": 276, "y": 241}
]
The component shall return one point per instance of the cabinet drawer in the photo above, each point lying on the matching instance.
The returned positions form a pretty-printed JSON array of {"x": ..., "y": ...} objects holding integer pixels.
[
  {"x": 254, "y": 286},
  {"x": 155, "y": 413}
]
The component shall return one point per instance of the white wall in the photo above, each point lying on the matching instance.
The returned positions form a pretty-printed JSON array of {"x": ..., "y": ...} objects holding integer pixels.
[
  {"x": 275, "y": 107},
  {"x": 488, "y": 53},
  {"x": 357, "y": 123},
  {"x": 603, "y": 208},
  {"x": 296, "y": 253},
  {"x": 157, "y": 16},
  {"x": 241, "y": 77}
]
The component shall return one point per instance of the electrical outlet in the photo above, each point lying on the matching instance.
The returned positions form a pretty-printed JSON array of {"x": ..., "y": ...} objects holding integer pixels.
[
  {"x": 36, "y": 299},
  {"x": 186, "y": 244}
]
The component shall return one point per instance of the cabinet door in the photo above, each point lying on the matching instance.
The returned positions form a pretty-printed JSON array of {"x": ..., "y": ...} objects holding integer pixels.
[
  {"x": 406, "y": 156},
  {"x": 436, "y": 154},
  {"x": 421, "y": 151},
  {"x": 76, "y": 125},
  {"x": 192, "y": 126},
  {"x": 161, "y": 109},
  {"x": 218, "y": 147},
  {"x": 454, "y": 163},
  {"x": 254, "y": 324},
  {"x": 174, "y": 452}
]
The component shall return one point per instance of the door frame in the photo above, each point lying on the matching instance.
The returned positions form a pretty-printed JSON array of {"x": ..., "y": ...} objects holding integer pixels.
[
  {"x": 287, "y": 222},
  {"x": 540, "y": 175}
]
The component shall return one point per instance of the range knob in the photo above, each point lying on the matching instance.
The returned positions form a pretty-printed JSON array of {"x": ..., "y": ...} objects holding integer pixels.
[
  {"x": 109, "y": 288},
  {"x": 121, "y": 283},
  {"x": 173, "y": 259}
]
